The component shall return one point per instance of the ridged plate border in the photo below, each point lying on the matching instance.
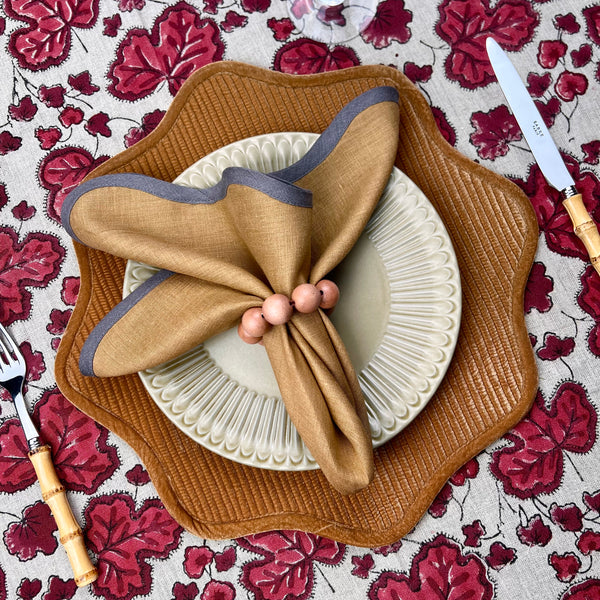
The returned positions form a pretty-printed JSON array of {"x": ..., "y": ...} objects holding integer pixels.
[{"x": 423, "y": 320}]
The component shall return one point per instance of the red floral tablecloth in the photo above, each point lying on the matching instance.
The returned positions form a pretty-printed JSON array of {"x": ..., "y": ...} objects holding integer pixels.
[{"x": 81, "y": 80}]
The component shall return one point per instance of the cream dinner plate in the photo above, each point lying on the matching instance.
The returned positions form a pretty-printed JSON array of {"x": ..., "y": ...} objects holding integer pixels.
[{"x": 398, "y": 315}]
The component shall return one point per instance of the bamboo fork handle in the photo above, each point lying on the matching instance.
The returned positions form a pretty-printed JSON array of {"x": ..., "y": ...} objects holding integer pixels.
[
  {"x": 584, "y": 228},
  {"x": 70, "y": 533}
]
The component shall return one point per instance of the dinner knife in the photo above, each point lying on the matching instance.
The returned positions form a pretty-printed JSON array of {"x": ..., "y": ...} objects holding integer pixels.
[{"x": 544, "y": 149}]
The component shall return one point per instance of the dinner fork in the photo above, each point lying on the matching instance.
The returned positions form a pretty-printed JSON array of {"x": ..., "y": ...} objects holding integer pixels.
[{"x": 12, "y": 376}]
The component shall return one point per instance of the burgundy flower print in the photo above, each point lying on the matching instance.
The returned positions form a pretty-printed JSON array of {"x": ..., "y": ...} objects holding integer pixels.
[
  {"x": 60, "y": 171},
  {"x": 439, "y": 570},
  {"x": 447, "y": 131},
  {"x": 149, "y": 123},
  {"x": 46, "y": 39},
  {"x": 112, "y": 25},
  {"x": 58, "y": 321},
  {"x": 124, "y": 538},
  {"x": 197, "y": 558},
  {"x": 418, "y": 74},
  {"x": 82, "y": 83},
  {"x": 566, "y": 566},
  {"x": 567, "y": 23},
  {"x": 500, "y": 556},
  {"x": 33, "y": 534},
  {"x": 137, "y": 476},
  {"x": 70, "y": 116},
  {"x": 550, "y": 52},
  {"x": 9, "y": 142},
  {"x": 23, "y": 211},
  {"x": 469, "y": 470},
  {"x": 588, "y": 542},
  {"x": 36, "y": 366},
  {"x": 226, "y": 559},
  {"x": 33, "y": 262},
  {"x": 533, "y": 461},
  {"x": 98, "y": 125},
  {"x": 555, "y": 347},
  {"x": 389, "y": 549},
  {"x": 569, "y": 85},
  {"x": 218, "y": 590},
  {"x": 303, "y": 57},
  {"x": 591, "y": 151},
  {"x": 286, "y": 567},
  {"x": 25, "y": 110},
  {"x": 70, "y": 290},
  {"x": 29, "y": 589},
  {"x": 59, "y": 589},
  {"x": 129, "y": 5},
  {"x": 252, "y": 6},
  {"x": 48, "y": 137},
  {"x": 568, "y": 517},
  {"x": 592, "y": 21},
  {"x": 390, "y": 24},
  {"x": 362, "y": 565},
  {"x": 52, "y": 97},
  {"x": 281, "y": 28},
  {"x": 583, "y": 591},
  {"x": 581, "y": 56},
  {"x": 537, "y": 85},
  {"x": 589, "y": 301},
  {"x": 592, "y": 501},
  {"x": 494, "y": 131},
  {"x": 465, "y": 25},
  {"x": 439, "y": 506},
  {"x": 16, "y": 471},
  {"x": 473, "y": 533},
  {"x": 537, "y": 291},
  {"x": 535, "y": 532},
  {"x": 180, "y": 43},
  {"x": 549, "y": 110},
  {"x": 552, "y": 217},
  {"x": 185, "y": 592},
  {"x": 232, "y": 21}
]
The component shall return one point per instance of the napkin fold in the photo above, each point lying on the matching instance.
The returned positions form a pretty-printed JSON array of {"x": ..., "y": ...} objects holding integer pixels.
[{"x": 225, "y": 249}]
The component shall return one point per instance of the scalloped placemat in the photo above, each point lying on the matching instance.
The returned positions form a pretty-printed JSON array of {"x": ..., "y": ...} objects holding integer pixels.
[{"x": 487, "y": 389}]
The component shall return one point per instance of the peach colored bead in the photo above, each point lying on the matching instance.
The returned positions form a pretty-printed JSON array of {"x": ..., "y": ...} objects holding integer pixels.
[
  {"x": 306, "y": 298},
  {"x": 247, "y": 338},
  {"x": 277, "y": 309},
  {"x": 253, "y": 322},
  {"x": 330, "y": 293}
]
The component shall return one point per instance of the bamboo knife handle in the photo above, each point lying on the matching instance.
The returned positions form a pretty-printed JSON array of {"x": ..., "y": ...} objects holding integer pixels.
[
  {"x": 71, "y": 537},
  {"x": 585, "y": 228}
]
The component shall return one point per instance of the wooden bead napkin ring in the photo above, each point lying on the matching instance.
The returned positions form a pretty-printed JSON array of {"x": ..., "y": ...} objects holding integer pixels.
[{"x": 278, "y": 308}]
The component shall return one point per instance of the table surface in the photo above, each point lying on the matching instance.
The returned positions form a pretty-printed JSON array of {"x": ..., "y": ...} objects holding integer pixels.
[{"x": 82, "y": 80}]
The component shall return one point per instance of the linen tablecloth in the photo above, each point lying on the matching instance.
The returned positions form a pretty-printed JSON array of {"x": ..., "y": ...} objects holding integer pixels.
[{"x": 83, "y": 80}]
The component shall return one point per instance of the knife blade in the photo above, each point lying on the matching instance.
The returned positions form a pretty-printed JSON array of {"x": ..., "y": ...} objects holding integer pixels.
[{"x": 544, "y": 149}]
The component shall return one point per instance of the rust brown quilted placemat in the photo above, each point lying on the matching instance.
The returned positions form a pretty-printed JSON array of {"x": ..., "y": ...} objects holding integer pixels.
[{"x": 488, "y": 388}]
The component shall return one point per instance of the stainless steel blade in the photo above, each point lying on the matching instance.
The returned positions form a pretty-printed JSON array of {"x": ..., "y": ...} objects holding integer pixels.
[{"x": 529, "y": 119}]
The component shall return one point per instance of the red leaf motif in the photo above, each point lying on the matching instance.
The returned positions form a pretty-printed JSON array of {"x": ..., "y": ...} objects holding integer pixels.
[
  {"x": 390, "y": 24},
  {"x": 197, "y": 558},
  {"x": 62, "y": 170},
  {"x": 439, "y": 570},
  {"x": 443, "y": 125},
  {"x": 46, "y": 40},
  {"x": 180, "y": 43},
  {"x": 535, "y": 532},
  {"x": 304, "y": 57},
  {"x": 48, "y": 137},
  {"x": 60, "y": 589},
  {"x": 416, "y": 73},
  {"x": 281, "y": 28},
  {"x": 124, "y": 539},
  {"x": 533, "y": 463},
  {"x": 24, "y": 111},
  {"x": 583, "y": 591},
  {"x": 568, "y": 517},
  {"x": 218, "y": 590},
  {"x": 16, "y": 471},
  {"x": 465, "y": 25},
  {"x": 555, "y": 347},
  {"x": 589, "y": 301},
  {"x": 70, "y": 290},
  {"x": 550, "y": 52},
  {"x": 33, "y": 534},
  {"x": 439, "y": 506},
  {"x": 538, "y": 84},
  {"x": 137, "y": 476},
  {"x": 569, "y": 85},
  {"x": 566, "y": 565},
  {"x": 582, "y": 56},
  {"x": 226, "y": 559},
  {"x": 286, "y": 569},
  {"x": 362, "y": 565},
  {"x": 83, "y": 83},
  {"x": 473, "y": 533},
  {"x": 552, "y": 217},
  {"x": 568, "y": 23},
  {"x": 29, "y": 589},
  {"x": 34, "y": 262},
  {"x": 592, "y": 501},
  {"x": 589, "y": 542},
  {"x": 494, "y": 130},
  {"x": 82, "y": 457},
  {"x": 592, "y": 21},
  {"x": 591, "y": 151},
  {"x": 537, "y": 291},
  {"x": 52, "y": 97},
  {"x": 9, "y": 142},
  {"x": 500, "y": 556},
  {"x": 469, "y": 470}
]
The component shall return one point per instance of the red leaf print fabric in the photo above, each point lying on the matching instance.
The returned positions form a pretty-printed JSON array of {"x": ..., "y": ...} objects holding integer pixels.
[
  {"x": 33, "y": 534},
  {"x": 389, "y": 24},
  {"x": 286, "y": 569},
  {"x": 533, "y": 462},
  {"x": 46, "y": 40},
  {"x": 34, "y": 262},
  {"x": 61, "y": 170},
  {"x": 124, "y": 538},
  {"x": 180, "y": 43},
  {"x": 537, "y": 291},
  {"x": 494, "y": 131},
  {"x": 16, "y": 471},
  {"x": 439, "y": 570},
  {"x": 589, "y": 301},
  {"x": 303, "y": 57},
  {"x": 465, "y": 25}
]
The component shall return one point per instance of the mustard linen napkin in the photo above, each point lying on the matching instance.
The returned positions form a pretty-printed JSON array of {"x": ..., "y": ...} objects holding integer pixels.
[{"x": 225, "y": 249}]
